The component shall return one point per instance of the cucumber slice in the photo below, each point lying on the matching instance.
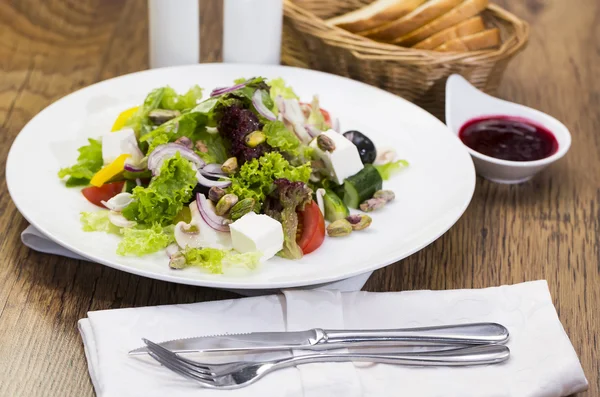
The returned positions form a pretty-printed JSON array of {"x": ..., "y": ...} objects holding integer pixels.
[
  {"x": 362, "y": 186},
  {"x": 334, "y": 207}
]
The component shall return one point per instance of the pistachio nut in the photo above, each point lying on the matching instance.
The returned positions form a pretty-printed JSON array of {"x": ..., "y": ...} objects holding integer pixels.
[
  {"x": 185, "y": 141},
  {"x": 372, "y": 204},
  {"x": 339, "y": 228},
  {"x": 177, "y": 261},
  {"x": 215, "y": 193},
  {"x": 325, "y": 143},
  {"x": 255, "y": 138},
  {"x": 386, "y": 195},
  {"x": 225, "y": 204},
  {"x": 359, "y": 221},
  {"x": 230, "y": 165},
  {"x": 201, "y": 147},
  {"x": 161, "y": 116},
  {"x": 242, "y": 208}
]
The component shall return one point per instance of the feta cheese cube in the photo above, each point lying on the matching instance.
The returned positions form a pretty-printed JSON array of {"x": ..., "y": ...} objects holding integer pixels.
[
  {"x": 343, "y": 161},
  {"x": 120, "y": 142},
  {"x": 257, "y": 233}
]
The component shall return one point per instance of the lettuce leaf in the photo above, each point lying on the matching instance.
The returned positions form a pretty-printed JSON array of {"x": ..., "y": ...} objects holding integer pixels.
[
  {"x": 207, "y": 258},
  {"x": 97, "y": 221},
  {"x": 165, "y": 196},
  {"x": 255, "y": 178},
  {"x": 139, "y": 121},
  {"x": 315, "y": 117},
  {"x": 213, "y": 259},
  {"x": 143, "y": 241},
  {"x": 279, "y": 137},
  {"x": 183, "y": 125},
  {"x": 387, "y": 170},
  {"x": 278, "y": 87},
  {"x": 217, "y": 149},
  {"x": 88, "y": 163},
  {"x": 171, "y": 100}
]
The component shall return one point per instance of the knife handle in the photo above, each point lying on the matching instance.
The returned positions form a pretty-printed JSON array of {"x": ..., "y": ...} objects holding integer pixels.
[{"x": 466, "y": 334}]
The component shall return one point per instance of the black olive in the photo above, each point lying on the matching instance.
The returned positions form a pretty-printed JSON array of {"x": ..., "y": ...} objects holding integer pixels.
[{"x": 365, "y": 146}]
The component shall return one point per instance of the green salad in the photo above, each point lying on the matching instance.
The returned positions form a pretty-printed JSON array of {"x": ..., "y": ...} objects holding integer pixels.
[{"x": 229, "y": 179}]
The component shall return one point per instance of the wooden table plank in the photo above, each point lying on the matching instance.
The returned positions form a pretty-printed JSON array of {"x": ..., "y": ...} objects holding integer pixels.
[{"x": 548, "y": 228}]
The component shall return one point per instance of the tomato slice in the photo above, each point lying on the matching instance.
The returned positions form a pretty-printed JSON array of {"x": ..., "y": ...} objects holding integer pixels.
[
  {"x": 325, "y": 113},
  {"x": 96, "y": 195},
  {"x": 311, "y": 226}
]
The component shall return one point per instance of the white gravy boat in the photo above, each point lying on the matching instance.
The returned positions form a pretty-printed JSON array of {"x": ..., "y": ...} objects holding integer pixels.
[{"x": 464, "y": 102}]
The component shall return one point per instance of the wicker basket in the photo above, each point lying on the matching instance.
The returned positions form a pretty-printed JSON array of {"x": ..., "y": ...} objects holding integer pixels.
[{"x": 417, "y": 75}]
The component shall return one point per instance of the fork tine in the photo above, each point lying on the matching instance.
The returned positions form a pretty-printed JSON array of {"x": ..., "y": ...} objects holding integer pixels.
[
  {"x": 180, "y": 371},
  {"x": 212, "y": 370},
  {"x": 174, "y": 360}
]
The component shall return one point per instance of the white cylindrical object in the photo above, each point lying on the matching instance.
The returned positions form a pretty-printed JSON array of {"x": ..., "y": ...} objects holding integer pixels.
[
  {"x": 252, "y": 31},
  {"x": 174, "y": 32}
]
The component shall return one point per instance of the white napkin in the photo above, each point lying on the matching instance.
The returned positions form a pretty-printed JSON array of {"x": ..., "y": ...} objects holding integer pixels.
[
  {"x": 543, "y": 362},
  {"x": 37, "y": 241}
]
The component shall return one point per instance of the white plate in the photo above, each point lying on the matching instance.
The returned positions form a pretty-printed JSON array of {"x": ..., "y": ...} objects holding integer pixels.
[{"x": 431, "y": 194}]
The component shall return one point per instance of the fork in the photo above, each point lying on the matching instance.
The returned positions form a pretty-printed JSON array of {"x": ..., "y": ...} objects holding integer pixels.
[{"x": 240, "y": 374}]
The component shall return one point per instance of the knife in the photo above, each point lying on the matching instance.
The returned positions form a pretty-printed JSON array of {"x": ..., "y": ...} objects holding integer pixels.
[{"x": 316, "y": 339}]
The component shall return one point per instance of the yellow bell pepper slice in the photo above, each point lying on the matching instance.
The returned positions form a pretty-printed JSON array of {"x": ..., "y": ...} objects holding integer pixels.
[
  {"x": 123, "y": 117},
  {"x": 110, "y": 171}
]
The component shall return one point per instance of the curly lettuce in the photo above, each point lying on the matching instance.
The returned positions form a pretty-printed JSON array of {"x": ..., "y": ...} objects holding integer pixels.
[
  {"x": 97, "y": 221},
  {"x": 165, "y": 196},
  {"x": 143, "y": 241},
  {"x": 255, "y": 178},
  {"x": 213, "y": 259},
  {"x": 88, "y": 163},
  {"x": 279, "y": 137},
  {"x": 278, "y": 87},
  {"x": 173, "y": 101},
  {"x": 387, "y": 170}
]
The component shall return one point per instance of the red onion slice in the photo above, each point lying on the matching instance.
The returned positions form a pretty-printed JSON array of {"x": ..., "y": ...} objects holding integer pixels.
[
  {"x": 280, "y": 103},
  {"x": 226, "y": 90},
  {"x": 208, "y": 214},
  {"x": 336, "y": 125},
  {"x": 204, "y": 181},
  {"x": 214, "y": 168},
  {"x": 312, "y": 130},
  {"x": 166, "y": 151},
  {"x": 214, "y": 175},
  {"x": 258, "y": 103},
  {"x": 133, "y": 168}
]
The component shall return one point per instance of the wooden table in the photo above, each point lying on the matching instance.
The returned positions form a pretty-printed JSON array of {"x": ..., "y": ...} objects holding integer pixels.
[{"x": 548, "y": 228}]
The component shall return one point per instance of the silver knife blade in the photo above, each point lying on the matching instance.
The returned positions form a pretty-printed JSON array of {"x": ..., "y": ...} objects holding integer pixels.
[{"x": 260, "y": 341}]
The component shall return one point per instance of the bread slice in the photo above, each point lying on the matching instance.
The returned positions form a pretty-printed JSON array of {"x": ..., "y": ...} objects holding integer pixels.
[
  {"x": 375, "y": 14},
  {"x": 478, "y": 41},
  {"x": 420, "y": 16},
  {"x": 463, "y": 11},
  {"x": 465, "y": 28}
]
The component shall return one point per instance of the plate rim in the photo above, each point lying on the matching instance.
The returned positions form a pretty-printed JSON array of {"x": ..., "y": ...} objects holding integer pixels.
[{"x": 234, "y": 284}]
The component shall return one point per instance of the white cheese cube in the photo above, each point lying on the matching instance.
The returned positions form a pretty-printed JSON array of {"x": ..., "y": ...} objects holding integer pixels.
[
  {"x": 257, "y": 233},
  {"x": 120, "y": 142},
  {"x": 343, "y": 161}
]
